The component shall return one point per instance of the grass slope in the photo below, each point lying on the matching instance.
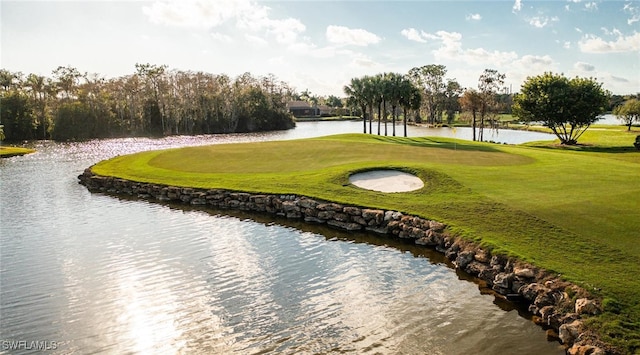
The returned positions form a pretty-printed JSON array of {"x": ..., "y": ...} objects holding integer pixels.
[
  {"x": 573, "y": 211},
  {"x": 6, "y": 152}
]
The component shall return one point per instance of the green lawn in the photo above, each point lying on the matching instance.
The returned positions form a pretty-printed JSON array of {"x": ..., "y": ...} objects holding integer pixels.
[
  {"x": 574, "y": 211},
  {"x": 6, "y": 152}
]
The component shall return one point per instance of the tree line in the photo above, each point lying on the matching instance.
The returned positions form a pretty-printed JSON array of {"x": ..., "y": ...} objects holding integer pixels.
[
  {"x": 426, "y": 92},
  {"x": 153, "y": 101},
  {"x": 568, "y": 107}
]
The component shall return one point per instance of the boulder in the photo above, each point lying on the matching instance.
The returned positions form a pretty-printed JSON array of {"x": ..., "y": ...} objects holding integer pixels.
[
  {"x": 530, "y": 291},
  {"x": 464, "y": 258},
  {"x": 586, "y": 306},
  {"x": 392, "y": 216},
  {"x": 352, "y": 211},
  {"x": 569, "y": 332},
  {"x": 344, "y": 225},
  {"x": 524, "y": 272},
  {"x": 482, "y": 256},
  {"x": 585, "y": 350}
]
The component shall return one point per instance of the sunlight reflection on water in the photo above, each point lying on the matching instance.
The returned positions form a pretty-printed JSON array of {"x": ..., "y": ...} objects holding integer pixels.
[{"x": 99, "y": 274}]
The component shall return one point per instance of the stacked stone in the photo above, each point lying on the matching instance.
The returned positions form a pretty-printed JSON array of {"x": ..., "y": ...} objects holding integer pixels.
[{"x": 556, "y": 303}]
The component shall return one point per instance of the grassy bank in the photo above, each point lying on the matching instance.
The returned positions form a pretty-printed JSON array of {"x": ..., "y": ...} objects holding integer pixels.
[
  {"x": 573, "y": 211},
  {"x": 6, "y": 152}
]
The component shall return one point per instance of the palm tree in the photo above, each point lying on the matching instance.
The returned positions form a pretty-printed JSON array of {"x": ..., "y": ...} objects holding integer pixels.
[
  {"x": 357, "y": 95},
  {"x": 37, "y": 86},
  {"x": 394, "y": 94},
  {"x": 409, "y": 99},
  {"x": 471, "y": 101},
  {"x": 377, "y": 95}
]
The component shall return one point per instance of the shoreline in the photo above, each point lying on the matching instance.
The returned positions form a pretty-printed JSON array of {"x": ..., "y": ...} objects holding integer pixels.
[
  {"x": 557, "y": 305},
  {"x": 8, "y": 151}
]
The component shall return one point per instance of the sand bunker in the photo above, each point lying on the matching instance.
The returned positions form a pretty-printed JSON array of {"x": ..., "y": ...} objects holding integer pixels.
[{"x": 386, "y": 181}]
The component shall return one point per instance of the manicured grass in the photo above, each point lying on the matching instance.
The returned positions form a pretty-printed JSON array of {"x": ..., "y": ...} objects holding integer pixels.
[
  {"x": 573, "y": 211},
  {"x": 6, "y": 152}
]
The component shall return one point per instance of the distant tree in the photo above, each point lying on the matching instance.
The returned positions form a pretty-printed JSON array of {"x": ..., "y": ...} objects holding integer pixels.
[
  {"x": 628, "y": 112},
  {"x": 41, "y": 91},
  {"x": 410, "y": 99},
  {"x": 489, "y": 83},
  {"x": 567, "y": 106},
  {"x": 333, "y": 101},
  {"x": 356, "y": 93},
  {"x": 430, "y": 78},
  {"x": 155, "y": 116},
  {"x": 376, "y": 91},
  {"x": 67, "y": 79},
  {"x": 471, "y": 101},
  {"x": 17, "y": 116},
  {"x": 451, "y": 95}
]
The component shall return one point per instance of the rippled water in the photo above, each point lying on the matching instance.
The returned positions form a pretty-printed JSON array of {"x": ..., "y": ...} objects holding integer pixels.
[{"x": 89, "y": 273}]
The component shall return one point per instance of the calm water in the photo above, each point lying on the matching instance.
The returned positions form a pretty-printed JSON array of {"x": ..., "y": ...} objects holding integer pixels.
[{"x": 88, "y": 273}]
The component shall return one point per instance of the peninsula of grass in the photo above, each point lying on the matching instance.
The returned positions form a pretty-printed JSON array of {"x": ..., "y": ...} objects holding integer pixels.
[
  {"x": 575, "y": 212},
  {"x": 6, "y": 152}
]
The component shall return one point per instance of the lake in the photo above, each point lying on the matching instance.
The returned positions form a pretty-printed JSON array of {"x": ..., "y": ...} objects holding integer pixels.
[{"x": 90, "y": 273}]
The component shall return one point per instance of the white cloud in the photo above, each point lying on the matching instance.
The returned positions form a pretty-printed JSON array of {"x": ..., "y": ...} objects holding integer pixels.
[
  {"x": 613, "y": 32},
  {"x": 194, "y": 13},
  {"x": 364, "y": 62},
  {"x": 584, "y": 67},
  {"x": 474, "y": 17},
  {"x": 344, "y": 35},
  {"x": 261, "y": 42},
  {"x": 591, "y": 6},
  {"x": 285, "y": 31},
  {"x": 451, "y": 50},
  {"x": 594, "y": 44},
  {"x": 248, "y": 15},
  {"x": 533, "y": 62},
  {"x": 542, "y": 21},
  {"x": 634, "y": 13},
  {"x": 413, "y": 35},
  {"x": 566, "y": 45},
  {"x": 619, "y": 79},
  {"x": 517, "y": 6}
]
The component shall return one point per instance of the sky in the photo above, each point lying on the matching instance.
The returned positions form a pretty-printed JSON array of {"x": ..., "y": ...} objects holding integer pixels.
[{"x": 319, "y": 45}]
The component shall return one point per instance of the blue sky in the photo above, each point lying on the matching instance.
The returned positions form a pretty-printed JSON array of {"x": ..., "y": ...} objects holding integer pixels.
[{"x": 321, "y": 45}]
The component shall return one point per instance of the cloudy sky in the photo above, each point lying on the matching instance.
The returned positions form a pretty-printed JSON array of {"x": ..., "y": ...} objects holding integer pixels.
[{"x": 319, "y": 45}]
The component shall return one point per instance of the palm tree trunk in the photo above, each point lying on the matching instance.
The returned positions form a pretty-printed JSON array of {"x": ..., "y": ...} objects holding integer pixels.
[
  {"x": 384, "y": 103},
  {"x": 474, "y": 125},
  {"x": 393, "y": 117},
  {"x": 404, "y": 119}
]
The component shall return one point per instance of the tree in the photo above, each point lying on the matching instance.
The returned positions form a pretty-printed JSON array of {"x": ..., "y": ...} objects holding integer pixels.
[
  {"x": 357, "y": 95},
  {"x": 376, "y": 89},
  {"x": 430, "y": 78},
  {"x": 471, "y": 101},
  {"x": 395, "y": 87},
  {"x": 628, "y": 112},
  {"x": 567, "y": 106},
  {"x": 41, "y": 90},
  {"x": 153, "y": 74},
  {"x": 68, "y": 79},
  {"x": 333, "y": 101},
  {"x": 489, "y": 83},
  {"x": 410, "y": 99},
  {"x": 451, "y": 95}
]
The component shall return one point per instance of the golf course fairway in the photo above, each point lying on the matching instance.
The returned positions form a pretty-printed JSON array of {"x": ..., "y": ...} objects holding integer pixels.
[{"x": 574, "y": 211}]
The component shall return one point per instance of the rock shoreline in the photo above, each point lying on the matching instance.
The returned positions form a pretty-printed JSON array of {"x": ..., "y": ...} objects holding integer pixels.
[{"x": 556, "y": 305}]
